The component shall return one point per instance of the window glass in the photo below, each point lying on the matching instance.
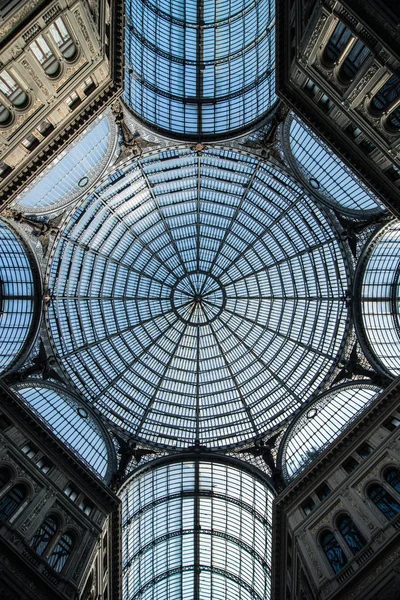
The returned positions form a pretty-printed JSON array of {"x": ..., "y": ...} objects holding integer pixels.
[
  {"x": 354, "y": 539},
  {"x": 384, "y": 501},
  {"x": 43, "y": 536},
  {"x": 333, "y": 551}
]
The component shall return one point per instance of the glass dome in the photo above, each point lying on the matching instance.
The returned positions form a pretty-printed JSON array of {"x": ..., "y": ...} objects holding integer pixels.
[
  {"x": 325, "y": 172},
  {"x": 198, "y": 297},
  {"x": 72, "y": 423},
  {"x": 74, "y": 169},
  {"x": 321, "y": 422},
  {"x": 379, "y": 284},
  {"x": 200, "y": 70},
  {"x": 196, "y": 529},
  {"x": 18, "y": 310}
]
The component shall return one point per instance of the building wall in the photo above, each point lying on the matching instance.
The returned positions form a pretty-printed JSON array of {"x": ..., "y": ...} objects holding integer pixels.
[
  {"x": 301, "y": 568},
  {"x": 57, "y": 105},
  {"x": 339, "y": 107},
  {"x": 60, "y": 487}
]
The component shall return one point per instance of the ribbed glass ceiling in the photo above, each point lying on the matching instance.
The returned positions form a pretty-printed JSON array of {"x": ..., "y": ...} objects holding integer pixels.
[
  {"x": 198, "y": 298},
  {"x": 321, "y": 423},
  {"x": 200, "y": 69},
  {"x": 196, "y": 529},
  {"x": 326, "y": 172},
  {"x": 71, "y": 171},
  {"x": 71, "y": 422}
]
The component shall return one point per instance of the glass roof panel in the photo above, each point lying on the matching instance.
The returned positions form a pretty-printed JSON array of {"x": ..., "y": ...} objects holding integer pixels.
[
  {"x": 321, "y": 423},
  {"x": 198, "y": 298},
  {"x": 380, "y": 298},
  {"x": 72, "y": 170},
  {"x": 70, "y": 422},
  {"x": 326, "y": 172},
  {"x": 200, "y": 69},
  {"x": 196, "y": 525},
  {"x": 17, "y": 301}
]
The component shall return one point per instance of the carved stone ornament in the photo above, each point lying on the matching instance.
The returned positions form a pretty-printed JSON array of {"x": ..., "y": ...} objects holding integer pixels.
[
  {"x": 327, "y": 518},
  {"x": 373, "y": 574},
  {"x": 356, "y": 507},
  {"x": 29, "y": 520},
  {"x": 307, "y": 545},
  {"x": 35, "y": 77},
  {"x": 360, "y": 87},
  {"x": 84, "y": 31},
  {"x": 10, "y": 23},
  {"x": 313, "y": 39},
  {"x": 23, "y": 117}
]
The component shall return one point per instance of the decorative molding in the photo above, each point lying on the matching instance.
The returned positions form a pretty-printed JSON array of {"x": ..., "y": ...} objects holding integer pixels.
[
  {"x": 85, "y": 32},
  {"x": 35, "y": 77},
  {"x": 363, "y": 82},
  {"x": 10, "y": 23},
  {"x": 307, "y": 545},
  {"x": 29, "y": 520},
  {"x": 313, "y": 39}
]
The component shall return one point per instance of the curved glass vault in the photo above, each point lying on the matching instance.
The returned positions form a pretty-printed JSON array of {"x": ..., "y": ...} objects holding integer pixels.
[
  {"x": 196, "y": 528},
  {"x": 379, "y": 285},
  {"x": 72, "y": 170},
  {"x": 198, "y": 298},
  {"x": 200, "y": 69},
  {"x": 18, "y": 309},
  {"x": 321, "y": 422},
  {"x": 72, "y": 423},
  {"x": 325, "y": 172}
]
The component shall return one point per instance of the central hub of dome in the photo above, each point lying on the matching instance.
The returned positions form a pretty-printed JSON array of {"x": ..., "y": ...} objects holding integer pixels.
[{"x": 198, "y": 298}]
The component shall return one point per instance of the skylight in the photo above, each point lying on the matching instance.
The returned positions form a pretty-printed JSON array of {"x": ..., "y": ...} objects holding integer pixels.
[{"x": 198, "y": 297}]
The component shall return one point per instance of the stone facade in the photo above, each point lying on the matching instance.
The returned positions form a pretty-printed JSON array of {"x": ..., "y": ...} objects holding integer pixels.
[
  {"x": 301, "y": 568},
  {"x": 339, "y": 103},
  {"x": 52, "y": 87},
  {"x": 33, "y": 458}
]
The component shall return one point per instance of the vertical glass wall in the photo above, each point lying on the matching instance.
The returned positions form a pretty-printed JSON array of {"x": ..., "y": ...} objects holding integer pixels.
[
  {"x": 73, "y": 170},
  {"x": 197, "y": 528},
  {"x": 378, "y": 283},
  {"x": 200, "y": 69}
]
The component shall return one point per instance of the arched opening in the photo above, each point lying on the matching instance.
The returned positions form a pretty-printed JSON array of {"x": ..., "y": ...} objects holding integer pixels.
[
  {"x": 43, "y": 536},
  {"x": 388, "y": 506},
  {"x": 351, "y": 534},
  {"x": 333, "y": 551}
]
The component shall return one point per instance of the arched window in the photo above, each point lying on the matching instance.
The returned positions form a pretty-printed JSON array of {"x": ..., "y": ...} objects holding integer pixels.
[
  {"x": 352, "y": 536},
  {"x": 355, "y": 59},
  {"x": 394, "y": 119},
  {"x": 336, "y": 44},
  {"x": 392, "y": 476},
  {"x": 5, "y": 115},
  {"x": 387, "y": 94},
  {"x": 12, "y": 500},
  {"x": 61, "y": 552},
  {"x": 12, "y": 90},
  {"x": 333, "y": 551},
  {"x": 45, "y": 56},
  {"x": 43, "y": 536},
  {"x": 384, "y": 501},
  {"x": 62, "y": 38}
]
